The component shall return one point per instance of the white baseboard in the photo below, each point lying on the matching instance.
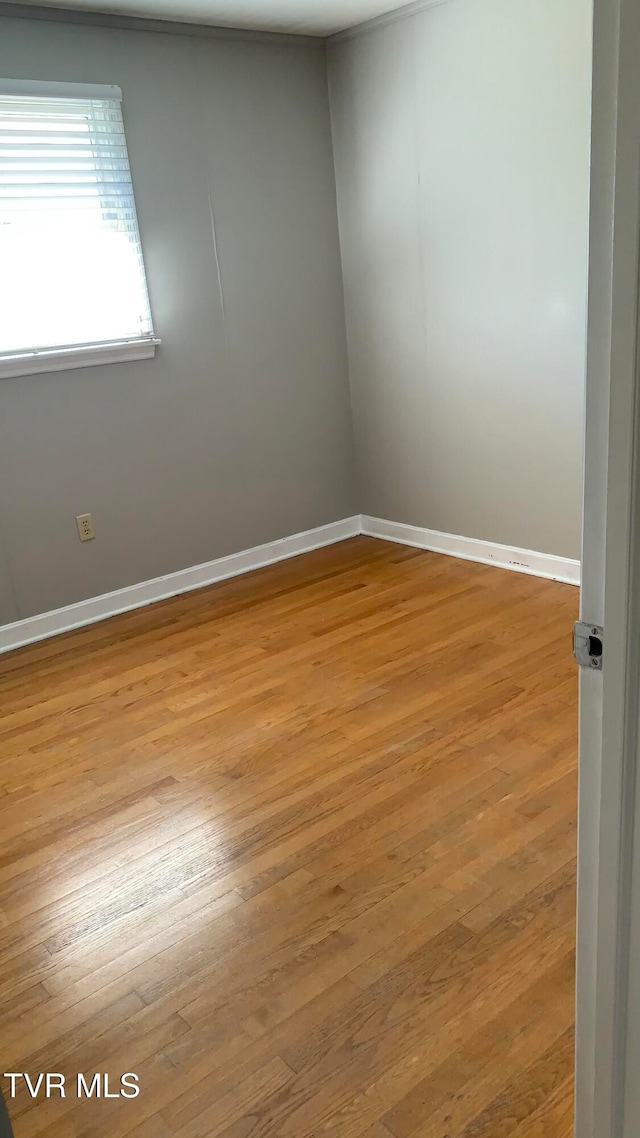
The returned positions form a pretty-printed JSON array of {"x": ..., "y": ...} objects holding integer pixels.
[
  {"x": 470, "y": 549},
  {"x": 47, "y": 624}
]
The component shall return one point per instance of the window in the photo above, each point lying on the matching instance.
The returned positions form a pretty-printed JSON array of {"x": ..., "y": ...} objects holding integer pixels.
[{"x": 72, "y": 282}]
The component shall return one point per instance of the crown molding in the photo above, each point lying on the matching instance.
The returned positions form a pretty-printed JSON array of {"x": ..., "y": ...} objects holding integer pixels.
[
  {"x": 122, "y": 22},
  {"x": 164, "y": 27},
  {"x": 383, "y": 21}
]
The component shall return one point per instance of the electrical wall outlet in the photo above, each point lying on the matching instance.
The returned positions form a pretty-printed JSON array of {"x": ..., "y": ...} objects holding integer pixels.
[{"x": 84, "y": 523}]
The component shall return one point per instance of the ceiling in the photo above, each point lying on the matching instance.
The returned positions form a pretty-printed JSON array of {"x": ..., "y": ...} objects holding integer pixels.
[{"x": 306, "y": 17}]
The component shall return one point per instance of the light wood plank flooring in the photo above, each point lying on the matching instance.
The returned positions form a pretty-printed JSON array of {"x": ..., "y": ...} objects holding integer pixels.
[{"x": 298, "y": 850}]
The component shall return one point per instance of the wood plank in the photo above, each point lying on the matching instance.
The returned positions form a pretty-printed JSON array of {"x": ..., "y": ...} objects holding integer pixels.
[{"x": 299, "y": 850}]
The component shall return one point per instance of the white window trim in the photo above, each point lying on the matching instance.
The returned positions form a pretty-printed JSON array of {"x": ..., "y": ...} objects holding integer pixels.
[
  {"x": 82, "y": 355},
  {"x": 37, "y": 361}
]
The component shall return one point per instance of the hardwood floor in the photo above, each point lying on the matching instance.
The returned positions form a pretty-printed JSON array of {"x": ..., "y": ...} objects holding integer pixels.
[{"x": 299, "y": 851}]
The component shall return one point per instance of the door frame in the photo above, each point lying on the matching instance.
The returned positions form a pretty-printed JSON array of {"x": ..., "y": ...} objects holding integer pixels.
[{"x": 610, "y": 593}]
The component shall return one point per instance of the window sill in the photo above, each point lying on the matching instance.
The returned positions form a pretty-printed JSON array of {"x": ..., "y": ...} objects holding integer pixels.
[{"x": 85, "y": 355}]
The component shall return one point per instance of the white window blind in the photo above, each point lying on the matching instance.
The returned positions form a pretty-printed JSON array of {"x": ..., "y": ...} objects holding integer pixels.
[{"x": 72, "y": 280}]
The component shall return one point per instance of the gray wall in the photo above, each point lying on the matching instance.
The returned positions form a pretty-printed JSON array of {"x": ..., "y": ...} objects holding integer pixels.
[
  {"x": 239, "y": 431},
  {"x": 460, "y": 137},
  {"x": 461, "y": 140}
]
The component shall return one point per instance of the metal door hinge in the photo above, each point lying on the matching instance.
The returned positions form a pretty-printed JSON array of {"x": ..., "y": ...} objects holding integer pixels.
[{"x": 588, "y": 644}]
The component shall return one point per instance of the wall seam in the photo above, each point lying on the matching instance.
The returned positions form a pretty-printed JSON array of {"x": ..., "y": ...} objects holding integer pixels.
[
  {"x": 418, "y": 195},
  {"x": 212, "y": 217},
  {"x": 357, "y": 481}
]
